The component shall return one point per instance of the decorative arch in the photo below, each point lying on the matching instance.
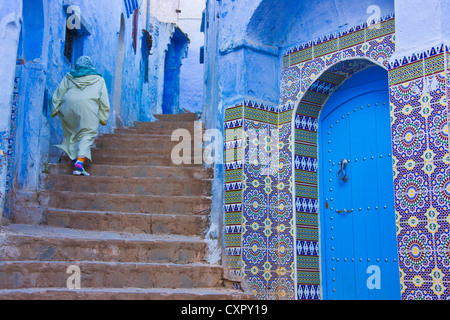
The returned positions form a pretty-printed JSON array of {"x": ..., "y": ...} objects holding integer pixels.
[
  {"x": 306, "y": 87},
  {"x": 264, "y": 253},
  {"x": 306, "y": 164}
]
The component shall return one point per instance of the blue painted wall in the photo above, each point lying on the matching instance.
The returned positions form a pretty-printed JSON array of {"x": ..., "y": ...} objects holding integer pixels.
[
  {"x": 245, "y": 41},
  {"x": 43, "y": 66}
]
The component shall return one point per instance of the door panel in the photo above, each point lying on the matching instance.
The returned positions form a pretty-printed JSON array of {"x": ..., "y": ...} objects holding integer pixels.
[{"x": 358, "y": 244}]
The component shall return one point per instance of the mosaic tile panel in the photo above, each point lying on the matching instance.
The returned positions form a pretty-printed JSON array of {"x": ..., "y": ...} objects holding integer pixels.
[
  {"x": 233, "y": 207},
  {"x": 381, "y": 29},
  {"x": 406, "y": 69},
  {"x": 351, "y": 38},
  {"x": 3, "y": 150},
  {"x": 268, "y": 246},
  {"x": 8, "y": 144},
  {"x": 326, "y": 46},
  {"x": 258, "y": 212},
  {"x": 376, "y": 42},
  {"x": 419, "y": 117},
  {"x": 302, "y": 54}
]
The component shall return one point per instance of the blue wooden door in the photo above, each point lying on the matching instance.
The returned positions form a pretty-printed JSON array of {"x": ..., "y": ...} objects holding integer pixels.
[{"x": 358, "y": 234}]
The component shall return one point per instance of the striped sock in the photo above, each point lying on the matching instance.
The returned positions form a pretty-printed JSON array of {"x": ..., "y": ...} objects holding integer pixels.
[{"x": 79, "y": 165}]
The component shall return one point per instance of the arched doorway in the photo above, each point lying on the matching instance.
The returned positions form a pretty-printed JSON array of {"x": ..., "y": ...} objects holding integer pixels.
[
  {"x": 344, "y": 185},
  {"x": 175, "y": 54},
  {"x": 358, "y": 241},
  {"x": 118, "y": 72}
]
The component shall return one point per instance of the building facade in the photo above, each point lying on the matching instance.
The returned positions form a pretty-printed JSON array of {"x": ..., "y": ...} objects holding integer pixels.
[
  {"x": 335, "y": 179},
  {"x": 336, "y": 162}
]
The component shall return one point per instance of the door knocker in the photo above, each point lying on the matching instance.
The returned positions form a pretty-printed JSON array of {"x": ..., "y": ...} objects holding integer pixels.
[{"x": 341, "y": 175}]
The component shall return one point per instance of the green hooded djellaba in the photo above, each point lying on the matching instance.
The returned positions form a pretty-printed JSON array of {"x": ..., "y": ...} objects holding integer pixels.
[{"x": 81, "y": 102}]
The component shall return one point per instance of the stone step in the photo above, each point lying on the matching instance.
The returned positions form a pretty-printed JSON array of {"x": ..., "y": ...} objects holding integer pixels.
[
  {"x": 127, "y": 203},
  {"x": 182, "y": 117},
  {"x": 124, "y": 294},
  {"x": 163, "y": 153},
  {"x": 129, "y": 141},
  {"x": 172, "y": 125},
  {"x": 160, "y": 224},
  {"x": 137, "y": 171},
  {"x": 132, "y": 131},
  {"x": 93, "y": 274},
  {"x": 137, "y": 186},
  {"x": 145, "y": 159},
  {"x": 44, "y": 243}
]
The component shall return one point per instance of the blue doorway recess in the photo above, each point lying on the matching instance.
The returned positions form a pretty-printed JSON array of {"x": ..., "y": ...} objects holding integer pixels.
[{"x": 359, "y": 259}]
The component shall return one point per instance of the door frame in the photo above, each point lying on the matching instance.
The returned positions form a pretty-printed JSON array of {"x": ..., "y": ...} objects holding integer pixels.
[
  {"x": 118, "y": 74},
  {"x": 342, "y": 67},
  {"x": 321, "y": 153}
]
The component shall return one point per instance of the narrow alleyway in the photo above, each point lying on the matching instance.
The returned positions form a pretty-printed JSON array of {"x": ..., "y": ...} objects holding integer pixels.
[{"x": 134, "y": 228}]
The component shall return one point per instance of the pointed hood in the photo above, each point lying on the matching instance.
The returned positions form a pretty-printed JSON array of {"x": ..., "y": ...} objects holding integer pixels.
[{"x": 85, "y": 81}]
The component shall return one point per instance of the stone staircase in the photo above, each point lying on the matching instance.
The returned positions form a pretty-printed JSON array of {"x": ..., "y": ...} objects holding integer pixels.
[{"x": 134, "y": 228}]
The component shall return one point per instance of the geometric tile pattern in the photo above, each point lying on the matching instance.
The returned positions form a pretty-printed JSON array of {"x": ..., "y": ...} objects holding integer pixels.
[
  {"x": 7, "y": 146},
  {"x": 233, "y": 163},
  {"x": 419, "y": 86},
  {"x": 259, "y": 222},
  {"x": 3, "y": 149},
  {"x": 303, "y": 64}
]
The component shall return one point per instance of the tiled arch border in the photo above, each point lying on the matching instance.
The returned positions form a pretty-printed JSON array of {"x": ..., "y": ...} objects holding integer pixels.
[
  {"x": 305, "y": 166},
  {"x": 306, "y": 86}
]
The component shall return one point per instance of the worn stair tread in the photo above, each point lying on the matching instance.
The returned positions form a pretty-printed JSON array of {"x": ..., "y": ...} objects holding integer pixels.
[
  {"x": 152, "y": 223},
  {"x": 151, "y": 136},
  {"x": 141, "y": 166},
  {"x": 178, "y": 204},
  {"x": 41, "y": 231},
  {"x": 132, "y": 179},
  {"x": 58, "y": 263},
  {"x": 136, "y": 132},
  {"x": 159, "y": 179},
  {"x": 134, "y": 170},
  {"x": 127, "y": 152},
  {"x": 94, "y": 212},
  {"x": 108, "y": 274},
  {"x": 152, "y": 158},
  {"x": 133, "y": 185},
  {"x": 123, "y": 293},
  {"x": 158, "y": 123},
  {"x": 150, "y": 196},
  {"x": 189, "y": 116},
  {"x": 125, "y": 214},
  {"x": 44, "y": 243}
]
